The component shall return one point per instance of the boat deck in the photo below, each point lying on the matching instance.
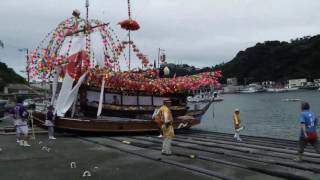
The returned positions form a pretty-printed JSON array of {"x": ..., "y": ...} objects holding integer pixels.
[{"x": 197, "y": 155}]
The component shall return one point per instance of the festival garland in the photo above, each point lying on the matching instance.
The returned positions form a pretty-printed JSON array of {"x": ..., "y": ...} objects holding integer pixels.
[{"x": 44, "y": 59}]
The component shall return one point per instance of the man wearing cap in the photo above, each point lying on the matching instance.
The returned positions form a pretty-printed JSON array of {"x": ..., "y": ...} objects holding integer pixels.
[
  {"x": 167, "y": 127},
  {"x": 236, "y": 123}
]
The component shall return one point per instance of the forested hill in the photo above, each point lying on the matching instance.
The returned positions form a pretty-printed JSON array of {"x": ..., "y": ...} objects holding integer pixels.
[
  {"x": 276, "y": 61},
  {"x": 8, "y": 75}
]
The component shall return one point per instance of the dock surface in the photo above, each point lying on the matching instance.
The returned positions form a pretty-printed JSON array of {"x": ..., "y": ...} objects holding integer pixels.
[{"x": 196, "y": 155}]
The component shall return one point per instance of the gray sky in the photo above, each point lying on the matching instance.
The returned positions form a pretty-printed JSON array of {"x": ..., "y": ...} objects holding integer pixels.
[{"x": 197, "y": 32}]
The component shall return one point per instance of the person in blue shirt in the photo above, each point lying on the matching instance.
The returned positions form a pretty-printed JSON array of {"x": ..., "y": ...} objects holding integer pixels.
[{"x": 308, "y": 130}]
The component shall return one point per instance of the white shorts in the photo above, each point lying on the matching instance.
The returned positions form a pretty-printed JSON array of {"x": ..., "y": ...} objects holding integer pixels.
[{"x": 22, "y": 129}]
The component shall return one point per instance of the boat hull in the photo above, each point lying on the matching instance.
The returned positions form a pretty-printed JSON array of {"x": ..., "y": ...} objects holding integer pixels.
[
  {"x": 113, "y": 124},
  {"x": 91, "y": 111}
]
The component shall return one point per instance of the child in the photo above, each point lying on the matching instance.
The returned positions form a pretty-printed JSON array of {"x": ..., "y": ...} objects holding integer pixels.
[{"x": 50, "y": 122}]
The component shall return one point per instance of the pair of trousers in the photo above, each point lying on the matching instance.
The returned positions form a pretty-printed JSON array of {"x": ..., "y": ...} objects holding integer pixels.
[
  {"x": 237, "y": 132},
  {"x": 166, "y": 145},
  {"x": 50, "y": 131},
  {"x": 304, "y": 142}
]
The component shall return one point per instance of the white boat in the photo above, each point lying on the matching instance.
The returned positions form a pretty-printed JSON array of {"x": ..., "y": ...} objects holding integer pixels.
[
  {"x": 276, "y": 90},
  {"x": 292, "y": 89},
  {"x": 252, "y": 88},
  {"x": 291, "y": 100}
]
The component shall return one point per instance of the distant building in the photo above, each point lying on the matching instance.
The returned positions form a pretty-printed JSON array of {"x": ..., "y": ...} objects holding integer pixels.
[
  {"x": 40, "y": 85},
  {"x": 232, "y": 81},
  {"x": 18, "y": 89},
  {"x": 293, "y": 83}
]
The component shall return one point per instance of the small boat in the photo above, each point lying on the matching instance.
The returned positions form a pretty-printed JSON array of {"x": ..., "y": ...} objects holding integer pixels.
[
  {"x": 310, "y": 87},
  {"x": 291, "y": 100},
  {"x": 276, "y": 90},
  {"x": 252, "y": 88}
]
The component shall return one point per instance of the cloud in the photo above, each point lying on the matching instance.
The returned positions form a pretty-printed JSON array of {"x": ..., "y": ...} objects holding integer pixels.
[{"x": 197, "y": 32}]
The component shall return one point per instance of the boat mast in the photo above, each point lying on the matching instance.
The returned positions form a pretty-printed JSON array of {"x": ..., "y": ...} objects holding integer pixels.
[
  {"x": 87, "y": 11},
  {"x": 129, "y": 34}
]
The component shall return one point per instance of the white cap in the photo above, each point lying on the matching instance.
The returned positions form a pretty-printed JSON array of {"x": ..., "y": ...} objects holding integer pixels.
[{"x": 237, "y": 110}]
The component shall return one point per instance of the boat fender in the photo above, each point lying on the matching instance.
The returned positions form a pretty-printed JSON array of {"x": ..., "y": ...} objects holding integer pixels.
[
  {"x": 126, "y": 142},
  {"x": 86, "y": 174},
  {"x": 192, "y": 156},
  {"x": 73, "y": 165}
]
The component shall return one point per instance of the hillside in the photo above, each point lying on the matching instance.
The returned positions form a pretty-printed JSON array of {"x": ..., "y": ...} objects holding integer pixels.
[
  {"x": 276, "y": 61},
  {"x": 8, "y": 75}
]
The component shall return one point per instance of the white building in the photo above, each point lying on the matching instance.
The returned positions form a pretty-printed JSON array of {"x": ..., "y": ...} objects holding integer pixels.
[
  {"x": 232, "y": 81},
  {"x": 293, "y": 83}
]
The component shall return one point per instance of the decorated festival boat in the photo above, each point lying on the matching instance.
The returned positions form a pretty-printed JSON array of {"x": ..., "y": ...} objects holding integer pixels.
[{"x": 96, "y": 93}]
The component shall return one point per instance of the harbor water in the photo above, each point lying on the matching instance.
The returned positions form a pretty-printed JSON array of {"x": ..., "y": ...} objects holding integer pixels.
[{"x": 262, "y": 114}]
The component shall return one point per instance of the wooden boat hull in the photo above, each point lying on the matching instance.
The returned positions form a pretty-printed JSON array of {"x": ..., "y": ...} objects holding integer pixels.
[
  {"x": 91, "y": 111},
  {"x": 113, "y": 124}
]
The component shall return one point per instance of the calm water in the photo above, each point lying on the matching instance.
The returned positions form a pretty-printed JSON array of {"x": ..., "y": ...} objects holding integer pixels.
[{"x": 263, "y": 114}]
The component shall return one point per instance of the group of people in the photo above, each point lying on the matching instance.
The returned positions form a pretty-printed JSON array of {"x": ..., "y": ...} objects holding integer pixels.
[
  {"x": 308, "y": 128},
  {"x": 20, "y": 116},
  {"x": 164, "y": 119}
]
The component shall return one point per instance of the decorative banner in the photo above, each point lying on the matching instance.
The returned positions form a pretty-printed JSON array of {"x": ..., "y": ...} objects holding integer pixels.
[{"x": 99, "y": 49}]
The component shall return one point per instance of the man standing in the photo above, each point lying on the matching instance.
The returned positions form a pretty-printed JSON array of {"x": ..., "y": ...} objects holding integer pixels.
[
  {"x": 237, "y": 126},
  {"x": 21, "y": 122},
  {"x": 167, "y": 127},
  {"x": 308, "y": 130}
]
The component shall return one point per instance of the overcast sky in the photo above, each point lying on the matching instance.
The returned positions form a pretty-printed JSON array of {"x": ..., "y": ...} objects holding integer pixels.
[{"x": 196, "y": 32}]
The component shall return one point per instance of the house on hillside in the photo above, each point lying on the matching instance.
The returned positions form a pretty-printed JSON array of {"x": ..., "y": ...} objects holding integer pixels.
[
  {"x": 40, "y": 85},
  {"x": 18, "y": 89},
  {"x": 294, "y": 83},
  {"x": 232, "y": 81}
]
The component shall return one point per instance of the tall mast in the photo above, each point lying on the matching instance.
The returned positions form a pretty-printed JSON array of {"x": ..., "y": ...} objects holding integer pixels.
[
  {"x": 87, "y": 11},
  {"x": 129, "y": 15}
]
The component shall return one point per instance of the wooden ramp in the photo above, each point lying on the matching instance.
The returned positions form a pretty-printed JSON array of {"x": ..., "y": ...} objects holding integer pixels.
[{"x": 218, "y": 156}]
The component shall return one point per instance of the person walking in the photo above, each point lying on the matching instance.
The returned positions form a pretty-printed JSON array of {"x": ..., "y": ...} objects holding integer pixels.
[
  {"x": 50, "y": 118},
  {"x": 166, "y": 127},
  {"x": 308, "y": 130},
  {"x": 237, "y": 124},
  {"x": 20, "y": 116}
]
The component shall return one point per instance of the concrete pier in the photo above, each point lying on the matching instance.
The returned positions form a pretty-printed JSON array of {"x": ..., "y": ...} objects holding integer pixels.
[{"x": 197, "y": 155}]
